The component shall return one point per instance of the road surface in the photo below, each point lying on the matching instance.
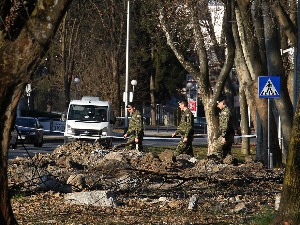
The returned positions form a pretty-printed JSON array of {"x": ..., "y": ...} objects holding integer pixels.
[{"x": 27, "y": 150}]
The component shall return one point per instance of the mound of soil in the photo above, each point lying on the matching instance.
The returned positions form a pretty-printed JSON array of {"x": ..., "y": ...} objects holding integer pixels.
[{"x": 148, "y": 188}]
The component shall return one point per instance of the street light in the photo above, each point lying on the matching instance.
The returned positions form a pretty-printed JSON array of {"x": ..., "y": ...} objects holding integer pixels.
[
  {"x": 189, "y": 85},
  {"x": 127, "y": 67},
  {"x": 76, "y": 81},
  {"x": 133, "y": 83}
]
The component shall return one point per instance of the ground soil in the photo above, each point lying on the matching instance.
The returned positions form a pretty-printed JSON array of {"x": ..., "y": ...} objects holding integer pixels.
[{"x": 149, "y": 188}]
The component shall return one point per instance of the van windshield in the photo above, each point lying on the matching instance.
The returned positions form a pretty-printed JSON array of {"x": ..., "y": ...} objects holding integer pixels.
[{"x": 88, "y": 113}]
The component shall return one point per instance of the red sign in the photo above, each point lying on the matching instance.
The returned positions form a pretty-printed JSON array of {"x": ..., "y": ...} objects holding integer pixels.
[{"x": 192, "y": 106}]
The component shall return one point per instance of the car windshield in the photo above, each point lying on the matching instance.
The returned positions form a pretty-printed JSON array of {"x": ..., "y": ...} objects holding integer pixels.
[
  {"x": 88, "y": 113},
  {"x": 25, "y": 122}
]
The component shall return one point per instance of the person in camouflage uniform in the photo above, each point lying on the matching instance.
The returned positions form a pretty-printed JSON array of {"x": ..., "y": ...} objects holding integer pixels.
[
  {"x": 225, "y": 138},
  {"x": 186, "y": 130},
  {"x": 135, "y": 129}
]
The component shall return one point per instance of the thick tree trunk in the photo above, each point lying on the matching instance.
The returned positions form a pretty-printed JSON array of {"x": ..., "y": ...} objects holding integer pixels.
[
  {"x": 19, "y": 58},
  {"x": 212, "y": 127},
  {"x": 289, "y": 208},
  {"x": 244, "y": 123},
  {"x": 275, "y": 67},
  {"x": 8, "y": 104},
  {"x": 256, "y": 67}
]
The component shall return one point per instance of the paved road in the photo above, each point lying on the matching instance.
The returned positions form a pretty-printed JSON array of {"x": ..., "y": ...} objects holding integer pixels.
[
  {"x": 153, "y": 137},
  {"x": 53, "y": 141}
]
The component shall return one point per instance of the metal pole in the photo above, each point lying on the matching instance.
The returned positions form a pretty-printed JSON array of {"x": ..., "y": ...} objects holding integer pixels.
[
  {"x": 127, "y": 60},
  {"x": 296, "y": 67},
  {"x": 270, "y": 156}
]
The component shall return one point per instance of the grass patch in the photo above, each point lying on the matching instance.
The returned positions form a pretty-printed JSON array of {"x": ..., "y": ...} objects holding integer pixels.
[
  {"x": 264, "y": 218},
  {"x": 18, "y": 195}
]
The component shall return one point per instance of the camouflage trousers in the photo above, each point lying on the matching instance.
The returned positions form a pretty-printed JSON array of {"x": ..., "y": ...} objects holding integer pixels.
[
  {"x": 220, "y": 149},
  {"x": 185, "y": 147},
  {"x": 131, "y": 144}
]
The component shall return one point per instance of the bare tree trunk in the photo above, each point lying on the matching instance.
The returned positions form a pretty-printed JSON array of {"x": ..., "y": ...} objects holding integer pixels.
[
  {"x": 19, "y": 57},
  {"x": 251, "y": 51},
  {"x": 11, "y": 94},
  {"x": 115, "y": 84},
  {"x": 289, "y": 208},
  {"x": 152, "y": 99},
  {"x": 275, "y": 67},
  {"x": 244, "y": 123},
  {"x": 69, "y": 36}
]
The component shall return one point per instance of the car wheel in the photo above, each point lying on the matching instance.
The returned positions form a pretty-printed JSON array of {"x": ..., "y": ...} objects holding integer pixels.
[
  {"x": 40, "y": 144},
  {"x": 14, "y": 145},
  {"x": 36, "y": 143}
]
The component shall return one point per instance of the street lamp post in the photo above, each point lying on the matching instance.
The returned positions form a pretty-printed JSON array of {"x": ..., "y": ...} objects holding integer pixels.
[
  {"x": 127, "y": 60},
  {"x": 76, "y": 81},
  {"x": 133, "y": 83},
  {"x": 189, "y": 85}
]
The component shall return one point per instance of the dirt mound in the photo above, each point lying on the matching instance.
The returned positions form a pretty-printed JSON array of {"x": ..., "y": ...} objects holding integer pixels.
[{"x": 149, "y": 188}]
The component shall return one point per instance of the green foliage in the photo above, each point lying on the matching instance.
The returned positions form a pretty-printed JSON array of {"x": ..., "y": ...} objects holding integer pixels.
[
  {"x": 18, "y": 196},
  {"x": 16, "y": 193},
  {"x": 170, "y": 75},
  {"x": 151, "y": 56}
]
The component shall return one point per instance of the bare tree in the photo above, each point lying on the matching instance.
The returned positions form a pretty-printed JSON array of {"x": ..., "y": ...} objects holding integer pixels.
[
  {"x": 186, "y": 37},
  {"x": 260, "y": 44},
  {"x": 111, "y": 31}
]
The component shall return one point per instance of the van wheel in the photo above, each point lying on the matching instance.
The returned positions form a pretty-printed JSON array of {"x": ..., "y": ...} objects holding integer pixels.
[
  {"x": 108, "y": 143},
  {"x": 36, "y": 143},
  {"x": 66, "y": 140}
]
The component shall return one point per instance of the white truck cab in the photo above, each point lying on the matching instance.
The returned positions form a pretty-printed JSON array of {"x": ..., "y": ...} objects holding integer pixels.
[{"x": 89, "y": 118}]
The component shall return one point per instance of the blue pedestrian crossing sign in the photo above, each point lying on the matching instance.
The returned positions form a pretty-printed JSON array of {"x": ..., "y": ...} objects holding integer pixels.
[{"x": 269, "y": 87}]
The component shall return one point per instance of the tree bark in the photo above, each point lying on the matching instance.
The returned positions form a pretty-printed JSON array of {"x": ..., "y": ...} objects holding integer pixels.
[
  {"x": 275, "y": 67},
  {"x": 289, "y": 208},
  {"x": 23, "y": 46},
  {"x": 251, "y": 51},
  {"x": 11, "y": 93},
  {"x": 244, "y": 123},
  {"x": 201, "y": 73},
  {"x": 152, "y": 99}
]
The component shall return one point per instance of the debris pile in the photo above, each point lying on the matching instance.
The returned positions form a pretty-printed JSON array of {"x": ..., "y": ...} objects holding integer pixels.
[{"x": 141, "y": 187}]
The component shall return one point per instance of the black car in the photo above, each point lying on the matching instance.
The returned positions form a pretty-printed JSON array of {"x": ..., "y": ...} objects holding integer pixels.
[
  {"x": 201, "y": 125},
  {"x": 30, "y": 130},
  {"x": 13, "y": 138}
]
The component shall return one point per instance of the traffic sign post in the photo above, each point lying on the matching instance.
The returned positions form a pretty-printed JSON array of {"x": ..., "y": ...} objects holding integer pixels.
[{"x": 269, "y": 87}]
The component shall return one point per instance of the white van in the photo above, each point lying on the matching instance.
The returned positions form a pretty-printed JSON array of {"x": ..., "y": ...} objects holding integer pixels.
[{"x": 89, "y": 118}]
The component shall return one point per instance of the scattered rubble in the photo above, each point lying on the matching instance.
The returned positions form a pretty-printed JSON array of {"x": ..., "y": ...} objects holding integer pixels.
[{"x": 141, "y": 187}]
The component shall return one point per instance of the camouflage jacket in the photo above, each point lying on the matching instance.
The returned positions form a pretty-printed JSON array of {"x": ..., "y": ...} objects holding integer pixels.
[
  {"x": 186, "y": 126},
  {"x": 135, "y": 126},
  {"x": 225, "y": 122}
]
